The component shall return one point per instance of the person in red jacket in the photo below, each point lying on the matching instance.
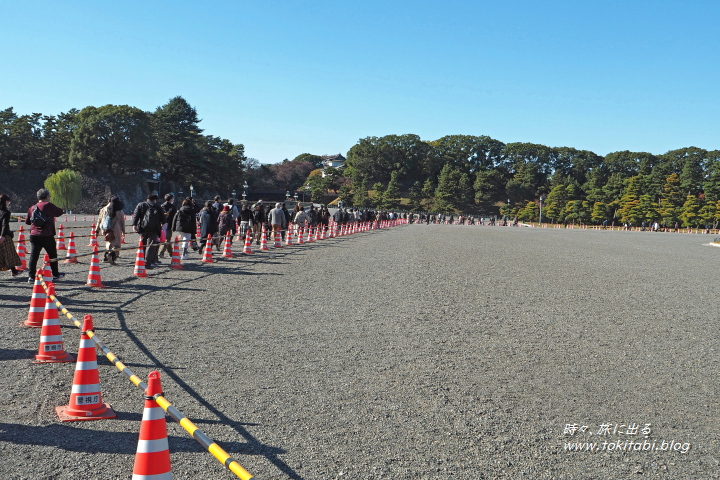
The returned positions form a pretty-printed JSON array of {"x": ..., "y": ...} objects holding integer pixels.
[{"x": 43, "y": 237}]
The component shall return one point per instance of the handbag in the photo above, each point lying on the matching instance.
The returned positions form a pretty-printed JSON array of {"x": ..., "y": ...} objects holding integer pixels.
[{"x": 109, "y": 235}]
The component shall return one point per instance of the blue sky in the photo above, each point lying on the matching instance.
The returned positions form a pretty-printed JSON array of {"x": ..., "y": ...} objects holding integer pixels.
[{"x": 285, "y": 78}]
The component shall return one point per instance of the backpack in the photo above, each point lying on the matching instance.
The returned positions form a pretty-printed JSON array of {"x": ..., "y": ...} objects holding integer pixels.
[
  {"x": 105, "y": 223},
  {"x": 38, "y": 219},
  {"x": 151, "y": 220}
]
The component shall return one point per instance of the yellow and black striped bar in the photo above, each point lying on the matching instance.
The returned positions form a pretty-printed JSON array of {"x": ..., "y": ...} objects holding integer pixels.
[{"x": 199, "y": 436}]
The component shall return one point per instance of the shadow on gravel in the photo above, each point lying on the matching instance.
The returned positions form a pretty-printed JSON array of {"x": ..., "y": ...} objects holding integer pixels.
[
  {"x": 15, "y": 298},
  {"x": 71, "y": 438},
  {"x": 16, "y": 353}
]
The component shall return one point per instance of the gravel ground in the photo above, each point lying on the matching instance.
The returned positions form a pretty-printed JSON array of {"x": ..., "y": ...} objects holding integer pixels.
[{"x": 417, "y": 352}]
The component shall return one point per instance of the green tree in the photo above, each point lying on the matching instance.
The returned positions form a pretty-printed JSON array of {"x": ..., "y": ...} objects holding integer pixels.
[
  {"x": 65, "y": 187},
  {"x": 670, "y": 200},
  {"x": 454, "y": 191},
  {"x": 391, "y": 197},
  {"x": 599, "y": 212},
  {"x": 530, "y": 212},
  {"x": 379, "y": 196},
  {"x": 176, "y": 129},
  {"x": 690, "y": 215}
]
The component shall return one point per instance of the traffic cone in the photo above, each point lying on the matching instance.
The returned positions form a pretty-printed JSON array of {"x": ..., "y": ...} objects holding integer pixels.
[
  {"x": 122, "y": 238},
  {"x": 301, "y": 241},
  {"x": 247, "y": 248},
  {"x": 288, "y": 236},
  {"x": 51, "y": 349},
  {"x": 94, "y": 279},
  {"x": 70, "y": 256},
  {"x": 310, "y": 235},
  {"x": 37, "y": 304},
  {"x": 238, "y": 236},
  {"x": 85, "y": 397},
  {"x": 278, "y": 243},
  {"x": 263, "y": 241},
  {"x": 152, "y": 459},
  {"x": 322, "y": 232},
  {"x": 21, "y": 253},
  {"x": 61, "y": 238},
  {"x": 227, "y": 251},
  {"x": 207, "y": 253},
  {"x": 47, "y": 271},
  {"x": 139, "y": 270},
  {"x": 74, "y": 218},
  {"x": 84, "y": 218},
  {"x": 175, "y": 262},
  {"x": 93, "y": 237},
  {"x": 197, "y": 231}
]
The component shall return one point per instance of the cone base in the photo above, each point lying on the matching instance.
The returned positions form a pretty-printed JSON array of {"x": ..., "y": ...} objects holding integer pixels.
[
  {"x": 54, "y": 358},
  {"x": 208, "y": 261},
  {"x": 177, "y": 267},
  {"x": 28, "y": 324},
  {"x": 95, "y": 285},
  {"x": 71, "y": 260},
  {"x": 65, "y": 414},
  {"x": 142, "y": 275},
  {"x": 227, "y": 256}
]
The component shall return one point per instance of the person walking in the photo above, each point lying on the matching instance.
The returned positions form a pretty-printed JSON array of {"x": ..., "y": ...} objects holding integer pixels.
[
  {"x": 148, "y": 221},
  {"x": 299, "y": 217},
  {"x": 111, "y": 226},
  {"x": 276, "y": 218},
  {"x": 258, "y": 220},
  {"x": 208, "y": 224},
  {"x": 41, "y": 217},
  {"x": 9, "y": 259},
  {"x": 245, "y": 217},
  {"x": 169, "y": 211},
  {"x": 185, "y": 224},
  {"x": 225, "y": 224}
]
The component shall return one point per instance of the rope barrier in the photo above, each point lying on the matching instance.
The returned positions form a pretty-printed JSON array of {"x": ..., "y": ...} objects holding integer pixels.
[{"x": 203, "y": 439}]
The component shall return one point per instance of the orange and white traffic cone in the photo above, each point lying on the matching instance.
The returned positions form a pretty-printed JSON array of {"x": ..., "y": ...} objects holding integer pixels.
[
  {"x": 238, "y": 236},
  {"x": 74, "y": 218},
  {"x": 301, "y": 240},
  {"x": 85, "y": 397},
  {"x": 263, "y": 241},
  {"x": 322, "y": 232},
  {"x": 310, "y": 235},
  {"x": 47, "y": 271},
  {"x": 175, "y": 262},
  {"x": 21, "y": 253},
  {"x": 197, "y": 231},
  {"x": 139, "y": 270},
  {"x": 278, "y": 243},
  {"x": 61, "y": 238},
  {"x": 288, "y": 236},
  {"x": 93, "y": 237},
  {"x": 37, "y": 304},
  {"x": 207, "y": 253},
  {"x": 152, "y": 459},
  {"x": 51, "y": 349},
  {"x": 122, "y": 238},
  {"x": 227, "y": 251},
  {"x": 247, "y": 248},
  {"x": 94, "y": 279},
  {"x": 71, "y": 255}
]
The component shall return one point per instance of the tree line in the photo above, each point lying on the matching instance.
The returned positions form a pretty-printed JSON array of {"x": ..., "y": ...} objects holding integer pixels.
[
  {"x": 481, "y": 175},
  {"x": 120, "y": 139}
]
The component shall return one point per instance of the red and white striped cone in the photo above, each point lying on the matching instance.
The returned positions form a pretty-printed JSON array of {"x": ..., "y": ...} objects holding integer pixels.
[
  {"x": 322, "y": 232},
  {"x": 331, "y": 230},
  {"x": 122, "y": 238},
  {"x": 139, "y": 270},
  {"x": 247, "y": 248},
  {"x": 74, "y": 218},
  {"x": 51, "y": 349},
  {"x": 278, "y": 243},
  {"x": 227, "y": 251},
  {"x": 301, "y": 240},
  {"x": 175, "y": 261},
  {"x": 47, "y": 271},
  {"x": 310, "y": 235},
  {"x": 21, "y": 253},
  {"x": 197, "y": 231},
  {"x": 85, "y": 396},
  {"x": 94, "y": 279},
  {"x": 238, "y": 234},
  {"x": 71, "y": 255},
  {"x": 61, "y": 238},
  {"x": 21, "y": 236},
  {"x": 84, "y": 218},
  {"x": 152, "y": 458},
  {"x": 37, "y": 304},
  {"x": 263, "y": 241},
  {"x": 93, "y": 237},
  {"x": 288, "y": 236},
  {"x": 207, "y": 253}
]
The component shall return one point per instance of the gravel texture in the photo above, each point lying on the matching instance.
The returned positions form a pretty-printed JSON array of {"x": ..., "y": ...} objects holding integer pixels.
[{"x": 416, "y": 352}]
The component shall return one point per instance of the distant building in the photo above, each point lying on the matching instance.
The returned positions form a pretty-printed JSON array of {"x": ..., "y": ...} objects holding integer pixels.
[{"x": 334, "y": 161}]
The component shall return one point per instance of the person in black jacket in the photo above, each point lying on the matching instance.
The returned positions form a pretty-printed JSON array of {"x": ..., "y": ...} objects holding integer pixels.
[
  {"x": 208, "y": 224},
  {"x": 169, "y": 209},
  {"x": 184, "y": 224},
  {"x": 9, "y": 258},
  {"x": 148, "y": 220},
  {"x": 259, "y": 219}
]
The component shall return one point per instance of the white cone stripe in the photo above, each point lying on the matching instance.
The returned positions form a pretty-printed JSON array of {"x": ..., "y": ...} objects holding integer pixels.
[
  {"x": 51, "y": 321},
  {"x": 155, "y": 413},
  {"x": 86, "y": 365},
  {"x": 37, "y": 309},
  {"x": 86, "y": 343},
  {"x": 51, "y": 338},
  {"x": 152, "y": 446},
  {"x": 91, "y": 388},
  {"x": 38, "y": 295},
  {"x": 159, "y": 476}
]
